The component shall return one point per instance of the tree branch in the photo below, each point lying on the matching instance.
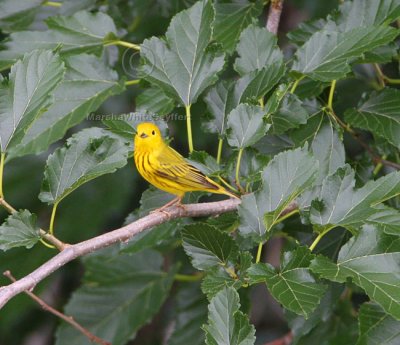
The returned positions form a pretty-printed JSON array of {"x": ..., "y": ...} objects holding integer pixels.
[
  {"x": 68, "y": 319},
  {"x": 274, "y": 16},
  {"x": 285, "y": 340},
  {"x": 123, "y": 234}
]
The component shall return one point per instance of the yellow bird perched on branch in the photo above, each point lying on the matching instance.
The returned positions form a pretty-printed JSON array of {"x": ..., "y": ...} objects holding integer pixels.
[{"x": 166, "y": 169}]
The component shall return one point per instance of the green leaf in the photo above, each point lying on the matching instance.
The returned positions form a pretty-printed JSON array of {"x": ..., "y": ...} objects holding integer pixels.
[
  {"x": 290, "y": 114},
  {"x": 340, "y": 204},
  {"x": 372, "y": 260},
  {"x": 87, "y": 84},
  {"x": 386, "y": 219},
  {"x": 231, "y": 19},
  {"x": 305, "y": 30},
  {"x": 293, "y": 286},
  {"x": 246, "y": 125},
  {"x": 19, "y": 230},
  {"x": 154, "y": 100},
  {"x": 84, "y": 32},
  {"x": 208, "y": 246},
  {"x": 226, "y": 323},
  {"x": 27, "y": 94},
  {"x": 120, "y": 293},
  {"x": 328, "y": 150},
  {"x": 327, "y": 55},
  {"x": 380, "y": 114},
  {"x": 377, "y": 327},
  {"x": 284, "y": 179},
  {"x": 364, "y": 13},
  {"x": 256, "y": 84},
  {"x": 257, "y": 48},
  {"x": 89, "y": 154},
  {"x": 183, "y": 67},
  {"x": 18, "y": 15},
  {"x": 191, "y": 314},
  {"x": 216, "y": 280},
  {"x": 220, "y": 102}
]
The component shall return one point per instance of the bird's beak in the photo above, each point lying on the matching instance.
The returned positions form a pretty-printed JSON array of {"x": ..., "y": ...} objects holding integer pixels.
[{"x": 143, "y": 135}]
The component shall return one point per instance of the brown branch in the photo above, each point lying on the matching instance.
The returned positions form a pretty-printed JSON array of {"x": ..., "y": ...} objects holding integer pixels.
[
  {"x": 274, "y": 16},
  {"x": 68, "y": 319},
  {"x": 123, "y": 234},
  {"x": 285, "y": 340}
]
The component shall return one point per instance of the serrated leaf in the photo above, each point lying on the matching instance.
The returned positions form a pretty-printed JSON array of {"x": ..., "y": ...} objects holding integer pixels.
[
  {"x": 325, "y": 310},
  {"x": 372, "y": 260},
  {"x": 18, "y": 15},
  {"x": 246, "y": 126},
  {"x": 191, "y": 314},
  {"x": 231, "y": 19},
  {"x": 293, "y": 285},
  {"x": 120, "y": 294},
  {"x": 216, "y": 280},
  {"x": 328, "y": 149},
  {"x": 183, "y": 67},
  {"x": 220, "y": 102},
  {"x": 327, "y": 55},
  {"x": 19, "y": 230},
  {"x": 226, "y": 323},
  {"x": 364, "y": 13},
  {"x": 305, "y": 30},
  {"x": 208, "y": 246},
  {"x": 290, "y": 114},
  {"x": 87, "y": 84},
  {"x": 89, "y": 154},
  {"x": 386, "y": 219},
  {"x": 27, "y": 94},
  {"x": 257, "y": 48},
  {"x": 339, "y": 203},
  {"x": 83, "y": 32},
  {"x": 154, "y": 100},
  {"x": 380, "y": 114},
  {"x": 284, "y": 178},
  {"x": 256, "y": 84},
  {"x": 377, "y": 327}
]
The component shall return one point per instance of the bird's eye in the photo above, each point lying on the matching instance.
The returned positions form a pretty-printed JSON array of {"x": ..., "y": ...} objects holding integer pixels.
[{"x": 153, "y": 132}]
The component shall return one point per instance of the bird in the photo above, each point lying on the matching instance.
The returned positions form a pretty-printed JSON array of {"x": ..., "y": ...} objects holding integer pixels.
[{"x": 166, "y": 169}]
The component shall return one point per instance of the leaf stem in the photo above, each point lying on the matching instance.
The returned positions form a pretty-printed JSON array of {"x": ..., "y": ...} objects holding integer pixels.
[
  {"x": 286, "y": 216},
  {"x": 52, "y": 4},
  {"x": 261, "y": 102},
  {"x": 237, "y": 177},
  {"x": 132, "y": 82},
  {"x": 53, "y": 216},
  {"x": 219, "y": 153},
  {"x": 319, "y": 237},
  {"x": 331, "y": 92},
  {"x": 188, "y": 277},
  {"x": 2, "y": 160},
  {"x": 123, "y": 44},
  {"x": 378, "y": 167},
  {"x": 189, "y": 127},
  {"x": 259, "y": 251},
  {"x": 295, "y": 84},
  {"x": 227, "y": 184}
]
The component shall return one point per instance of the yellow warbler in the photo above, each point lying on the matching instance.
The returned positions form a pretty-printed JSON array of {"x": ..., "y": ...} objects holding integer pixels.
[{"x": 166, "y": 169}]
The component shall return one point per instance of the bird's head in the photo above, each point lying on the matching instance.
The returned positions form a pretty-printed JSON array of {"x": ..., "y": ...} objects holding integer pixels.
[{"x": 148, "y": 136}]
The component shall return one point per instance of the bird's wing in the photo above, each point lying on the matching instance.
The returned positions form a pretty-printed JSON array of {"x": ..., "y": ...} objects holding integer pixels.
[{"x": 175, "y": 168}]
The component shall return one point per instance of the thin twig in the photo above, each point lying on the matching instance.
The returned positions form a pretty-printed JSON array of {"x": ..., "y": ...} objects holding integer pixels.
[
  {"x": 123, "y": 234},
  {"x": 375, "y": 157},
  {"x": 274, "y": 16},
  {"x": 68, "y": 319}
]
